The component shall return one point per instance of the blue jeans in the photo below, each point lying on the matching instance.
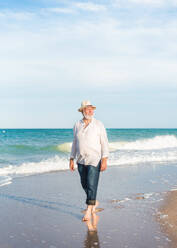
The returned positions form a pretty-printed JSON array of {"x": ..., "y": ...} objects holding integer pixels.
[{"x": 89, "y": 176}]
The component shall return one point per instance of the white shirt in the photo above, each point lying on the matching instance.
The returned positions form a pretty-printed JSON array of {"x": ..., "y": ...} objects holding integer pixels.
[{"x": 90, "y": 143}]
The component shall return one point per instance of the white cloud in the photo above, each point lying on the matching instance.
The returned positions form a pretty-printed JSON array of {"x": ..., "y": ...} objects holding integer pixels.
[
  {"x": 149, "y": 2},
  {"x": 19, "y": 16},
  {"x": 173, "y": 2},
  {"x": 59, "y": 10},
  {"x": 51, "y": 56},
  {"x": 100, "y": 54},
  {"x": 90, "y": 6}
]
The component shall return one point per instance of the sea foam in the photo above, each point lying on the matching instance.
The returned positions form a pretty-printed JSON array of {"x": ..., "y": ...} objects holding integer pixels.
[
  {"x": 5, "y": 180},
  {"x": 159, "y": 149},
  {"x": 157, "y": 142},
  {"x": 55, "y": 163},
  {"x": 58, "y": 163},
  {"x": 135, "y": 158}
]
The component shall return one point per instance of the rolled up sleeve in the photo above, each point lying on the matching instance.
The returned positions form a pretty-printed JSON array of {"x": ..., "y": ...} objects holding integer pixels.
[{"x": 104, "y": 143}]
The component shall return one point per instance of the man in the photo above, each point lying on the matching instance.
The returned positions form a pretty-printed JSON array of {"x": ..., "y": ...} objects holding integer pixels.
[{"x": 90, "y": 147}]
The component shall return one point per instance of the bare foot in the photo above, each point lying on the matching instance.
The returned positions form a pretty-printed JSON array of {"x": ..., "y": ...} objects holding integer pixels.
[
  {"x": 87, "y": 215},
  {"x": 95, "y": 206},
  {"x": 95, "y": 220}
]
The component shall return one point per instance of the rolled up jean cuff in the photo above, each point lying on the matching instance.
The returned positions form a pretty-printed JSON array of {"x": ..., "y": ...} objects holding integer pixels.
[{"x": 90, "y": 202}]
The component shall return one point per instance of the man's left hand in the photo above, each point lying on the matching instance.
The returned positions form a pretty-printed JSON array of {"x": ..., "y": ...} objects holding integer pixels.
[{"x": 103, "y": 164}]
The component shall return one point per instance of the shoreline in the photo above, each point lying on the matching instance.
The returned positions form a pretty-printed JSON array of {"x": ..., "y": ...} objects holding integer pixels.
[{"x": 46, "y": 210}]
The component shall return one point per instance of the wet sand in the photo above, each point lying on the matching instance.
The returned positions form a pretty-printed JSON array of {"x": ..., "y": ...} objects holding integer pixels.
[
  {"x": 46, "y": 210},
  {"x": 167, "y": 216}
]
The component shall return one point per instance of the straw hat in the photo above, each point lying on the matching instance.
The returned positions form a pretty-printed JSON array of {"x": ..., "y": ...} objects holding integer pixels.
[{"x": 85, "y": 104}]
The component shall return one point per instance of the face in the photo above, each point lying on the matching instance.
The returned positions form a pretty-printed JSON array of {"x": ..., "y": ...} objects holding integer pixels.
[{"x": 88, "y": 111}]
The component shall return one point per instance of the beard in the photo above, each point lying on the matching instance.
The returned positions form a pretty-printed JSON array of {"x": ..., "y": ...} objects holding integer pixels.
[{"x": 88, "y": 117}]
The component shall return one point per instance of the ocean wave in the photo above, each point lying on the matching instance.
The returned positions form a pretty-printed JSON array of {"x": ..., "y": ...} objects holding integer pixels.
[
  {"x": 155, "y": 143},
  {"x": 55, "y": 163},
  {"x": 158, "y": 142},
  {"x": 5, "y": 180},
  {"x": 65, "y": 147},
  {"x": 138, "y": 158},
  {"x": 22, "y": 148},
  {"x": 119, "y": 158}
]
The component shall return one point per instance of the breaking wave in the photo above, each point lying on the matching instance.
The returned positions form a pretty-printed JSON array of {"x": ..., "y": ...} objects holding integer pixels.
[{"x": 158, "y": 142}]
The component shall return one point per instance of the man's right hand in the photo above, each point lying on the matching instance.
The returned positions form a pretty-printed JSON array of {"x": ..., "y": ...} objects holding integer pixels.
[{"x": 71, "y": 164}]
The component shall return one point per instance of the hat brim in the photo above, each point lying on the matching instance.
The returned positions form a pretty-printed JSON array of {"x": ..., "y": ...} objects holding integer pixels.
[{"x": 80, "y": 109}]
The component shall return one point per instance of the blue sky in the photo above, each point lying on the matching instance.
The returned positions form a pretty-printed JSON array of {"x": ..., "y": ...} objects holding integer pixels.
[{"x": 119, "y": 54}]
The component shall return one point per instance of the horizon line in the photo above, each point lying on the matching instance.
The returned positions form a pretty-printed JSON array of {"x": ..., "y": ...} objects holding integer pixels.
[{"x": 106, "y": 128}]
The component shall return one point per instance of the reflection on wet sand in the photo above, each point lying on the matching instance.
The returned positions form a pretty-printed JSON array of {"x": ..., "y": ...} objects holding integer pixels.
[{"x": 92, "y": 239}]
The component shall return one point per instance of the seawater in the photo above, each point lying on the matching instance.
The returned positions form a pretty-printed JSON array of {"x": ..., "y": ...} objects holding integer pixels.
[{"x": 32, "y": 151}]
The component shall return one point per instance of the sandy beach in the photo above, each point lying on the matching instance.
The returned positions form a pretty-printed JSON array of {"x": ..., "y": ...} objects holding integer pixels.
[
  {"x": 168, "y": 217},
  {"x": 46, "y": 210}
]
